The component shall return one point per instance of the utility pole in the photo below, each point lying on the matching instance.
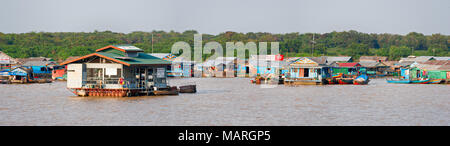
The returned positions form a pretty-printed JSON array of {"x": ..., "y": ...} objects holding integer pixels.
[
  {"x": 152, "y": 42},
  {"x": 313, "y": 43}
]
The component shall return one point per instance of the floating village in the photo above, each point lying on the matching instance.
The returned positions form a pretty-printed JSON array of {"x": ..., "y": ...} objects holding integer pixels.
[{"x": 125, "y": 70}]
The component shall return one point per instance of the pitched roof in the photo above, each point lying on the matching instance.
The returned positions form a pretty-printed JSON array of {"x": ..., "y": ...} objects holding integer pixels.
[
  {"x": 6, "y": 59},
  {"x": 24, "y": 60},
  {"x": 371, "y": 64},
  {"x": 350, "y": 64},
  {"x": 442, "y": 58},
  {"x": 390, "y": 63},
  {"x": 417, "y": 59},
  {"x": 39, "y": 63},
  {"x": 120, "y": 56},
  {"x": 332, "y": 59}
]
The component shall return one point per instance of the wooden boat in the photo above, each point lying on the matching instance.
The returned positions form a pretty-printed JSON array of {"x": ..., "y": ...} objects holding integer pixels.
[
  {"x": 166, "y": 91},
  {"x": 188, "y": 89},
  {"x": 435, "y": 81},
  {"x": 361, "y": 80}
]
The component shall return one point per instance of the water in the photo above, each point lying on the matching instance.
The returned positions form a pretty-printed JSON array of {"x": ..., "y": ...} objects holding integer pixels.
[{"x": 232, "y": 101}]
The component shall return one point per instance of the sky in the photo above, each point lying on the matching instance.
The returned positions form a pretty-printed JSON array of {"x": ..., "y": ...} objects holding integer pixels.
[{"x": 217, "y": 16}]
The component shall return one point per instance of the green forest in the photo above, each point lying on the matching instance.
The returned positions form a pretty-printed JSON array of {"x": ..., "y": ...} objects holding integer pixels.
[{"x": 60, "y": 45}]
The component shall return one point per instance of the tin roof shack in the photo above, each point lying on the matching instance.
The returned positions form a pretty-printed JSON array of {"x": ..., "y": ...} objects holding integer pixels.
[
  {"x": 375, "y": 68},
  {"x": 6, "y": 61},
  {"x": 267, "y": 66},
  {"x": 307, "y": 71},
  {"x": 117, "y": 70},
  {"x": 180, "y": 66},
  {"x": 40, "y": 69}
]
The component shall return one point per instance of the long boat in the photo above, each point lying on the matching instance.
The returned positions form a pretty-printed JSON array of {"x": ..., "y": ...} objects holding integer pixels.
[
  {"x": 398, "y": 81},
  {"x": 424, "y": 81}
]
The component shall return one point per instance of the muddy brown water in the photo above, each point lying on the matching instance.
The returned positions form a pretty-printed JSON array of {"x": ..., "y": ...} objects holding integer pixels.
[{"x": 232, "y": 101}]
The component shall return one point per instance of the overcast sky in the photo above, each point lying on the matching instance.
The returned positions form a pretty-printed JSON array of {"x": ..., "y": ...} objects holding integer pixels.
[{"x": 216, "y": 16}]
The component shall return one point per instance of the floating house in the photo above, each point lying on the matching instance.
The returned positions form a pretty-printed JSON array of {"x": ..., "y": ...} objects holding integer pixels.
[
  {"x": 20, "y": 75},
  {"x": 6, "y": 61},
  {"x": 267, "y": 65},
  {"x": 307, "y": 70},
  {"x": 40, "y": 69},
  {"x": 347, "y": 69},
  {"x": 180, "y": 66},
  {"x": 219, "y": 67},
  {"x": 117, "y": 70},
  {"x": 375, "y": 68},
  {"x": 433, "y": 69},
  {"x": 243, "y": 68}
]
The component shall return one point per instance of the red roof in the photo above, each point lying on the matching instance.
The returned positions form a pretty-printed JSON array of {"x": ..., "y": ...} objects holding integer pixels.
[{"x": 351, "y": 64}]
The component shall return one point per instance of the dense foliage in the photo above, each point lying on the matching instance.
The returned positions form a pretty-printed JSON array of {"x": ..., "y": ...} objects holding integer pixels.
[{"x": 60, "y": 45}]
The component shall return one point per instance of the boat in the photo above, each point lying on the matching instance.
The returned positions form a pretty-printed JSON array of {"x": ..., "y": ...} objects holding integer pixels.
[
  {"x": 398, "y": 81},
  {"x": 361, "y": 80},
  {"x": 422, "y": 81},
  {"x": 345, "y": 80},
  {"x": 188, "y": 89},
  {"x": 166, "y": 91},
  {"x": 435, "y": 81}
]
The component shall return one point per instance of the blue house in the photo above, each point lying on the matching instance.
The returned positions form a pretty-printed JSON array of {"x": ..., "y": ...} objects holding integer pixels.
[{"x": 40, "y": 69}]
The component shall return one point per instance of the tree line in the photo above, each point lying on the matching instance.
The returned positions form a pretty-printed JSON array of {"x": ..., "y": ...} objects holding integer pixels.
[{"x": 60, "y": 45}]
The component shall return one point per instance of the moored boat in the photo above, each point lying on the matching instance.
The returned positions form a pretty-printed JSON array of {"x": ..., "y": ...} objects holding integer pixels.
[
  {"x": 361, "y": 80},
  {"x": 398, "y": 81},
  {"x": 166, "y": 91},
  {"x": 345, "y": 80},
  {"x": 188, "y": 89},
  {"x": 436, "y": 81}
]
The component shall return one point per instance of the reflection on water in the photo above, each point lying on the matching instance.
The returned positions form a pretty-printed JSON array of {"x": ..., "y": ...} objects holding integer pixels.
[{"x": 232, "y": 102}]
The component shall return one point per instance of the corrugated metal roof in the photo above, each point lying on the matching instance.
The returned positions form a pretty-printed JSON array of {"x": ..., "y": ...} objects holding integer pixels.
[
  {"x": 371, "y": 64},
  {"x": 442, "y": 58},
  {"x": 332, "y": 59},
  {"x": 372, "y": 58},
  {"x": 39, "y": 63}
]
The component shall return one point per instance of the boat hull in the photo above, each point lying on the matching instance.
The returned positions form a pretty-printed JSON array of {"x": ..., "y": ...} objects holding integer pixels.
[{"x": 399, "y": 81}]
